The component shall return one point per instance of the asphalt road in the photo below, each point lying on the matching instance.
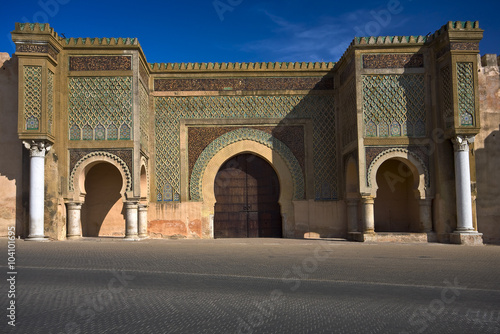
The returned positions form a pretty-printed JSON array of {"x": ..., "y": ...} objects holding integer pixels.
[{"x": 250, "y": 286}]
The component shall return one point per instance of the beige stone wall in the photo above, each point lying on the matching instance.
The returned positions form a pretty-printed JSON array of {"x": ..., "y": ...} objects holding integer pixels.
[
  {"x": 487, "y": 151},
  {"x": 11, "y": 169},
  {"x": 320, "y": 219}
]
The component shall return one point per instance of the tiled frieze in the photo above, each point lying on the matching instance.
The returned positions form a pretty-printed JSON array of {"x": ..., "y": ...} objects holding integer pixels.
[
  {"x": 32, "y": 76},
  {"x": 170, "y": 110},
  {"x": 37, "y": 48},
  {"x": 100, "y": 63},
  {"x": 466, "y": 96},
  {"x": 464, "y": 46},
  {"x": 296, "y": 83},
  {"x": 376, "y": 61},
  {"x": 394, "y": 105},
  {"x": 97, "y": 103}
]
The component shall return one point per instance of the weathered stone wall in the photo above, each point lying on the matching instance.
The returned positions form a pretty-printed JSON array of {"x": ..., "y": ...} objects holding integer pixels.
[
  {"x": 11, "y": 171},
  {"x": 487, "y": 151}
]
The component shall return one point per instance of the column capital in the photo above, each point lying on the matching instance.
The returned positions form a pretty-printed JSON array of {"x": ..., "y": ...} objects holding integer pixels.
[
  {"x": 37, "y": 148},
  {"x": 461, "y": 142}
]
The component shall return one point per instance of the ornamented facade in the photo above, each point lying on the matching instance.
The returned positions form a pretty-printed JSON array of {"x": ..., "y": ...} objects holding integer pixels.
[{"x": 375, "y": 146}]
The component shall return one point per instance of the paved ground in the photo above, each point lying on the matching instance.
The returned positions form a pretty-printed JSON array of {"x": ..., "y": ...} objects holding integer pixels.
[{"x": 252, "y": 286}]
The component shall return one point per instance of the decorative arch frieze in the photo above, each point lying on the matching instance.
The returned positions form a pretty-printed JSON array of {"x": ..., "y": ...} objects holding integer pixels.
[
  {"x": 195, "y": 184},
  {"x": 401, "y": 153},
  {"x": 95, "y": 157}
]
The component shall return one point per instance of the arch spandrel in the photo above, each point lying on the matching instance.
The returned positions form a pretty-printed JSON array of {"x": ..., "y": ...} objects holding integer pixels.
[{"x": 276, "y": 147}]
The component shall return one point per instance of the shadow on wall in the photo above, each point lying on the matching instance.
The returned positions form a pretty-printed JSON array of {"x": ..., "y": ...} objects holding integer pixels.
[
  {"x": 13, "y": 161},
  {"x": 488, "y": 188},
  {"x": 103, "y": 211}
]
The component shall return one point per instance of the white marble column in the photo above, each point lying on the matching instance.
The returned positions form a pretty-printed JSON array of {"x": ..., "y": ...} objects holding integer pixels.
[
  {"x": 425, "y": 205},
  {"x": 131, "y": 217},
  {"x": 367, "y": 203},
  {"x": 352, "y": 215},
  {"x": 462, "y": 183},
  {"x": 74, "y": 230},
  {"x": 143, "y": 221},
  {"x": 37, "y": 149}
]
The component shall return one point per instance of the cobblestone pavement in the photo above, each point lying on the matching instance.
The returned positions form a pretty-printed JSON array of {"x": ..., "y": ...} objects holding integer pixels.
[{"x": 252, "y": 286}]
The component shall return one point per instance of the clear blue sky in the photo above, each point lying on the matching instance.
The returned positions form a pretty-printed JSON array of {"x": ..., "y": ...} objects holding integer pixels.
[{"x": 248, "y": 30}]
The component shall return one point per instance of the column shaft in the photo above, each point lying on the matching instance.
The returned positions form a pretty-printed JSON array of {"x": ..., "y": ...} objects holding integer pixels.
[
  {"x": 131, "y": 217},
  {"x": 74, "y": 230},
  {"x": 37, "y": 189},
  {"x": 143, "y": 221},
  {"x": 462, "y": 184},
  {"x": 368, "y": 214}
]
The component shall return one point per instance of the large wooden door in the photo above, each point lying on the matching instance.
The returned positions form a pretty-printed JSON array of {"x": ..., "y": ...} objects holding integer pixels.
[{"x": 247, "y": 191}]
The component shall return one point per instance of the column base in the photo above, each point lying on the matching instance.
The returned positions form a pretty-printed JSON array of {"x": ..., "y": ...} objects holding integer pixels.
[
  {"x": 37, "y": 238},
  {"x": 73, "y": 237},
  {"x": 355, "y": 236},
  {"x": 143, "y": 236},
  {"x": 467, "y": 238},
  {"x": 132, "y": 238}
]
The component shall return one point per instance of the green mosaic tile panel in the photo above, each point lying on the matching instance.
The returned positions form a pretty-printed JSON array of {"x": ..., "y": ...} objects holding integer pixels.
[
  {"x": 50, "y": 102},
  {"x": 32, "y": 76},
  {"x": 394, "y": 101},
  {"x": 100, "y": 101},
  {"x": 466, "y": 98},
  {"x": 170, "y": 110},
  {"x": 246, "y": 134},
  {"x": 348, "y": 113},
  {"x": 446, "y": 96},
  {"x": 144, "y": 117}
]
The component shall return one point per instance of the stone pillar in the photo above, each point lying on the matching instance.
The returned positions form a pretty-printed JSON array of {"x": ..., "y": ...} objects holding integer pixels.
[
  {"x": 352, "y": 215},
  {"x": 367, "y": 203},
  {"x": 425, "y": 214},
  {"x": 462, "y": 183},
  {"x": 38, "y": 149},
  {"x": 465, "y": 233},
  {"x": 143, "y": 221},
  {"x": 131, "y": 216},
  {"x": 74, "y": 229}
]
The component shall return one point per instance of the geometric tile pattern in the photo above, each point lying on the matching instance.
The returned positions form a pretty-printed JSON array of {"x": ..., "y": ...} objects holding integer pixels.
[
  {"x": 50, "y": 102},
  {"x": 219, "y": 84},
  {"x": 103, "y": 101},
  {"x": 394, "y": 105},
  {"x": 320, "y": 108},
  {"x": 195, "y": 186},
  {"x": 466, "y": 98},
  {"x": 393, "y": 60},
  {"x": 446, "y": 96},
  {"x": 144, "y": 117},
  {"x": 348, "y": 113},
  {"x": 32, "y": 96}
]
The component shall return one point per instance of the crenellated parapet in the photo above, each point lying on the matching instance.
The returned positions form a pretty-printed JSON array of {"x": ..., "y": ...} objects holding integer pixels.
[{"x": 260, "y": 66}]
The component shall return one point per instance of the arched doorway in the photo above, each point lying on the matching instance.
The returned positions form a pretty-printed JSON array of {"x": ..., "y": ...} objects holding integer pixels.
[
  {"x": 247, "y": 191},
  {"x": 102, "y": 211},
  {"x": 396, "y": 208}
]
